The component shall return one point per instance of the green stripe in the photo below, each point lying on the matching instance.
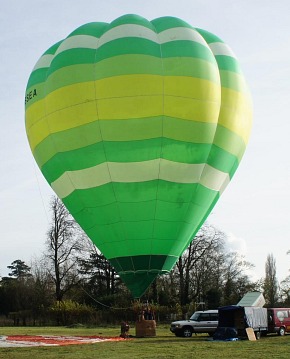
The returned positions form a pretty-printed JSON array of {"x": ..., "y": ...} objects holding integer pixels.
[
  {"x": 123, "y": 130},
  {"x": 124, "y": 204},
  {"x": 95, "y": 29},
  {"x": 168, "y": 22},
  {"x": 233, "y": 80},
  {"x": 124, "y": 65},
  {"x": 70, "y": 75},
  {"x": 228, "y": 63},
  {"x": 131, "y": 19},
  {"x": 185, "y": 48},
  {"x": 38, "y": 76},
  {"x": 208, "y": 36},
  {"x": 230, "y": 142},
  {"x": 132, "y": 130},
  {"x": 72, "y": 57},
  {"x": 52, "y": 49},
  {"x": 137, "y": 192},
  {"x": 138, "y": 151},
  {"x": 189, "y": 66},
  {"x": 129, "y": 46}
]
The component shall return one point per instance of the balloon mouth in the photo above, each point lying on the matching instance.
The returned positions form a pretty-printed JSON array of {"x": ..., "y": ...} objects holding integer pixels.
[
  {"x": 138, "y": 282},
  {"x": 138, "y": 272}
]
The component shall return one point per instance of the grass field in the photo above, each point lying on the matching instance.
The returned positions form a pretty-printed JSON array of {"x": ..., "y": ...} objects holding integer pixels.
[{"x": 164, "y": 345}]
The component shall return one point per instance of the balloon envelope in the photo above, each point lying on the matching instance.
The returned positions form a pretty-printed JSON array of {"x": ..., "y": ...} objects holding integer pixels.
[{"x": 138, "y": 127}]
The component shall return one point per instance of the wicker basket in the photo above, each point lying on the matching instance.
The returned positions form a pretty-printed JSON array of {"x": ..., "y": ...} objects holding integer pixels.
[{"x": 145, "y": 328}]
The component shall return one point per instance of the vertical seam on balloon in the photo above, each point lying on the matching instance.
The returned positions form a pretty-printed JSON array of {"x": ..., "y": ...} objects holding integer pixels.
[
  {"x": 100, "y": 129},
  {"x": 161, "y": 143},
  {"x": 198, "y": 185},
  {"x": 45, "y": 107},
  {"x": 96, "y": 103},
  {"x": 52, "y": 138}
]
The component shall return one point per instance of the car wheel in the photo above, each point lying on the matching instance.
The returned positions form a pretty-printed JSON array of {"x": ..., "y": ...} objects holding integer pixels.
[
  {"x": 187, "y": 332},
  {"x": 281, "y": 331}
]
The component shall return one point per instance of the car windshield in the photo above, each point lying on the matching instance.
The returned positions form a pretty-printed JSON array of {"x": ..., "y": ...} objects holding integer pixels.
[{"x": 195, "y": 316}]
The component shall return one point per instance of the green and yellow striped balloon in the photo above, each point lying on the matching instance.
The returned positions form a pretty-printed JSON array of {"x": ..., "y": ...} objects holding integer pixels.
[{"x": 138, "y": 126}]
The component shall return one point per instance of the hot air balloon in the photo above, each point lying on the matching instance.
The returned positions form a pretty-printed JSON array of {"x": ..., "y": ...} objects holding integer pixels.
[{"x": 138, "y": 126}]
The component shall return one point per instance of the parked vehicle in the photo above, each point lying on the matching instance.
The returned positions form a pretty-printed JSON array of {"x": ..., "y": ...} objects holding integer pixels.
[
  {"x": 200, "y": 322},
  {"x": 235, "y": 319},
  {"x": 278, "y": 320}
]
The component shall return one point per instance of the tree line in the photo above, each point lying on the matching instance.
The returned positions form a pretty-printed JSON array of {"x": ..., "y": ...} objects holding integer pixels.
[{"x": 74, "y": 283}]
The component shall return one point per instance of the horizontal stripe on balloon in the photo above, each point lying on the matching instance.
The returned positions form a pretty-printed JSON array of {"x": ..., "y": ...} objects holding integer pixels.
[
  {"x": 43, "y": 62},
  {"x": 138, "y": 130},
  {"x": 127, "y": 31},
  {"x": 122, "y": 65},
  {"x": 121, "y": 46},
  {"x": 137, "y": 151},
  {"x": 82, "y": 200},
  {"x": 220, "y": 48},
  {"x": 140, "y": 172},
  {"x": 124, "y": 86},
  {"x": 73, "y": 117}
]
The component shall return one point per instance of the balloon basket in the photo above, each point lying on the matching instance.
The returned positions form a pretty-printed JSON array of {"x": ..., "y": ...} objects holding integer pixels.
[{"x": 145, "y": 328}]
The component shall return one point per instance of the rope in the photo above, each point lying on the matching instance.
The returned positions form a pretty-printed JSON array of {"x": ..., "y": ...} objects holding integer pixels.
[
  {"x": 104, "y": 305},
  {"x": 40, "y": 192}
]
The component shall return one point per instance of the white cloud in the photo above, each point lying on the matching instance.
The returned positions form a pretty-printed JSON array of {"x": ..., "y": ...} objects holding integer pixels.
[{"x": 236, "y": 244}]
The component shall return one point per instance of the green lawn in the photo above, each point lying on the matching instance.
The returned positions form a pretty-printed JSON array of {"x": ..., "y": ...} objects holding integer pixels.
[{"x": 164, "y": 345}]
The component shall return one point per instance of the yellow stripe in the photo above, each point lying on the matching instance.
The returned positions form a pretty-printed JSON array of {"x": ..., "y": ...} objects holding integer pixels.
[
  {"x": 129, "y": 86},
  {"x": 130, "y": 107},
  {"x": 67, "y": 118},
  {"x": 194, "y": 88},
  {"x": 148, "y": 85},
  {"x": 64, "y": 97},
  {"x": 236, "y": 113},
  {"x": 122, "y": 97},
  {"x": 34, "y": 113},
  {"x": 191, "y": 109},
  {"x": 122, "y": 86},
  {"x": 70, "y": 96}
]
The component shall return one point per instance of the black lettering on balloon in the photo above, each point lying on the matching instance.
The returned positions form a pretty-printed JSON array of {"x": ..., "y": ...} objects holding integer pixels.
[{"x": 29, "y": 95}]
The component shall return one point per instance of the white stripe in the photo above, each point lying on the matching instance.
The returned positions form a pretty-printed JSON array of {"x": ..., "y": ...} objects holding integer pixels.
[
  {"x": 43, "y": 62},
  {"x": 78, "y": 41},
  {"x": 220, "y": 48},
  {"x": 173, "y": 34},
  {"x": 128, "y": 30},
  {"x": 181, "y": 33},
  {"x": 139, "y": 172}
]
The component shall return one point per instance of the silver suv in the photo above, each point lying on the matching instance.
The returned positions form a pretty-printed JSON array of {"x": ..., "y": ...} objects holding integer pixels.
[{"x": 200, "y": 322}]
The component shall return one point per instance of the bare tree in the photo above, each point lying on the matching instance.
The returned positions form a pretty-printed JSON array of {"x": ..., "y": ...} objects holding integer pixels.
[
  {"x": 199, "y": 264},
  {"x": 63, "y": 245},
  {"x": 236, "y": 282},
  {"x": 207, "y": 273}
]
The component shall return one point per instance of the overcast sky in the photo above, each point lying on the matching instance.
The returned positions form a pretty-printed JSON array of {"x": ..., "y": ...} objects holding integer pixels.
[{"x": 255, "y": 208}]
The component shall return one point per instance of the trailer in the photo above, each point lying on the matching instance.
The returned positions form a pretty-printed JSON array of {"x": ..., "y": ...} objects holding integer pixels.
[{"x": 234, "y": 321}]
